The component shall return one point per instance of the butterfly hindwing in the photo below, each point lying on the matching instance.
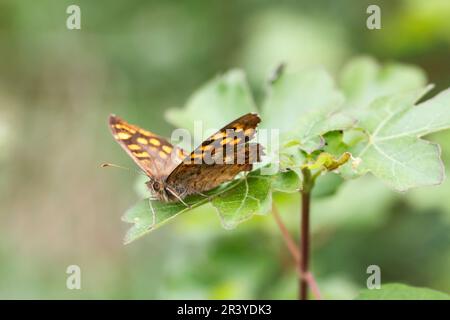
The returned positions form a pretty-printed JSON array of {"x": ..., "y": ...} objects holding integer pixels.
[
  {"x": 219, "y": 158},
  {"x": 152, "y": 153}
]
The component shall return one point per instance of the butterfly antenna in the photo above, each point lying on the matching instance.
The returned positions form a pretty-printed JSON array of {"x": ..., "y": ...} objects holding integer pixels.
[{"x": 105, "y": 165}]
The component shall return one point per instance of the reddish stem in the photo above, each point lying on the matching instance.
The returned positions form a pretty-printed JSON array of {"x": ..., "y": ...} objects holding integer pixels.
[
  {"x": 296, "y": 254},
  {"x": 304, "y": 244}
]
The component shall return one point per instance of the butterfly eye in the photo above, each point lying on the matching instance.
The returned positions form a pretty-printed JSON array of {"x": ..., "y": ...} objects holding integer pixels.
[{"x": 156, "y": 186}]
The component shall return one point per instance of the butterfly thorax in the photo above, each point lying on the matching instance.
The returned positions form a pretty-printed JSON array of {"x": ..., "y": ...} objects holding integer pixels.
[{"x": 163, "y": 192}]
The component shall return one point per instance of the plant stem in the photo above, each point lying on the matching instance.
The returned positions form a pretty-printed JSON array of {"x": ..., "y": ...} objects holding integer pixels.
[
  {"x": 295, "y": 252},
  {"x": 304, "y": 233},
  {"x": 288, "y": 240}
]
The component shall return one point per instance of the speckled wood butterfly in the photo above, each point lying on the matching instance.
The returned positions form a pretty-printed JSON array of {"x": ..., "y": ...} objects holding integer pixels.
[{"x": 173, "y": 173}]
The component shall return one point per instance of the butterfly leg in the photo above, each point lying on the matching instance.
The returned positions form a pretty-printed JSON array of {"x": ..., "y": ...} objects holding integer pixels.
[
  {"x": 205, "y": 195},
  {"x": 153, "y": 216},
  {"x": 178, "y": 197}
]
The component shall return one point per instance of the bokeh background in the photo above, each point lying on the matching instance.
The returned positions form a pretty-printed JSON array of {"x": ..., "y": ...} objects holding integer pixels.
[{"x": 138, "y": 58}]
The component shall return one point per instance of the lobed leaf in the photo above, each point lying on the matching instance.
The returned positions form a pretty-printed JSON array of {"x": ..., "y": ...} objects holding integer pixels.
[
  {"x": 148, "y": 215},
  {"x": 363, "y": 80},
  {"x": 251, "y": 195},
  {"x": 394, "y": 151},
  {"x": 287, "y": 182},
  {"x": 293, "y": 95},
  {"x": 235, "y": 202},
  {"x": 311, "y": 128}
]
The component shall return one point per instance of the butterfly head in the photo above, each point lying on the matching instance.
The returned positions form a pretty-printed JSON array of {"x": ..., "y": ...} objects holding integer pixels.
[{"x": 158, "y": 189}]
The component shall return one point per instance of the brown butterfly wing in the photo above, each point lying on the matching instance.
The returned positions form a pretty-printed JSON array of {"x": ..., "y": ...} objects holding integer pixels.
[
  {"x": 219, "y": 158},
  {"x": 152, "y": 153}
]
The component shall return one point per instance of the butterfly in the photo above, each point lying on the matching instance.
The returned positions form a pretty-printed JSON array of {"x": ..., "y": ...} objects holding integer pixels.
[{"x": 173, "y": 173}]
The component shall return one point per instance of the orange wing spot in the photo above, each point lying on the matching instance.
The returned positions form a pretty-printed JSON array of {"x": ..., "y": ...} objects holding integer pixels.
[
  {"x": 196, "y": 155},
  {"x": 238, "y": 130},
  {"x": 207, "y": 147},
  {"x": 162, "y": 154},
  {"x": 134, "y": 147},
  {"x": 125, "y": 127},
  {"x": 225, "y": 141},
  {"x": 219, "y": 135},
  {"x": 167, "y": 149},
  {"x": 145, "y": 132},
  {"x": 155, "y": 142},
  {"x": 181, "y": 154},
  {"x": 141, "y": 154},
  {"x": 123, "y": 135},
  {"x": 249, "y": 131},
  {"x": 142, "y": 140}
]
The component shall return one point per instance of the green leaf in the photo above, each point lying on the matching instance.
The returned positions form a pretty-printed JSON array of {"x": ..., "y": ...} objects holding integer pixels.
[
  {"x": 292, "y": 158},
  {"x": 430, "y": 116},
  {"x": 335, "y": 144},
  {"x": 251, "y": 195},
  {"x": 287, "y": 182},
  {"x": 394, "y": 151},
  {"x": 316, "y": 123},
  {"x": 363, "y": 80},
  {"x": 217, "y": 103},
  {"x": 235, "y": 202},
  {"x": 304, "y": 106},
  {"x": 140, "y": 215},
  {"x": 396, "y": 291},
  {"x": 326, "y": 185},
  {"x": 148, "y": 215},
  {"x": 295, "y": 94}
]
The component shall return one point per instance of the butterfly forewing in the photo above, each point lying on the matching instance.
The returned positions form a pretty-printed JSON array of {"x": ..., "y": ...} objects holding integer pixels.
[{"x": 152, "y": 153}]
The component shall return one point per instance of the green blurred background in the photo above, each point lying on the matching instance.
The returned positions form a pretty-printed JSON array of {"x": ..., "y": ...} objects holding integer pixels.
[{"x": 138, "y": 58}]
